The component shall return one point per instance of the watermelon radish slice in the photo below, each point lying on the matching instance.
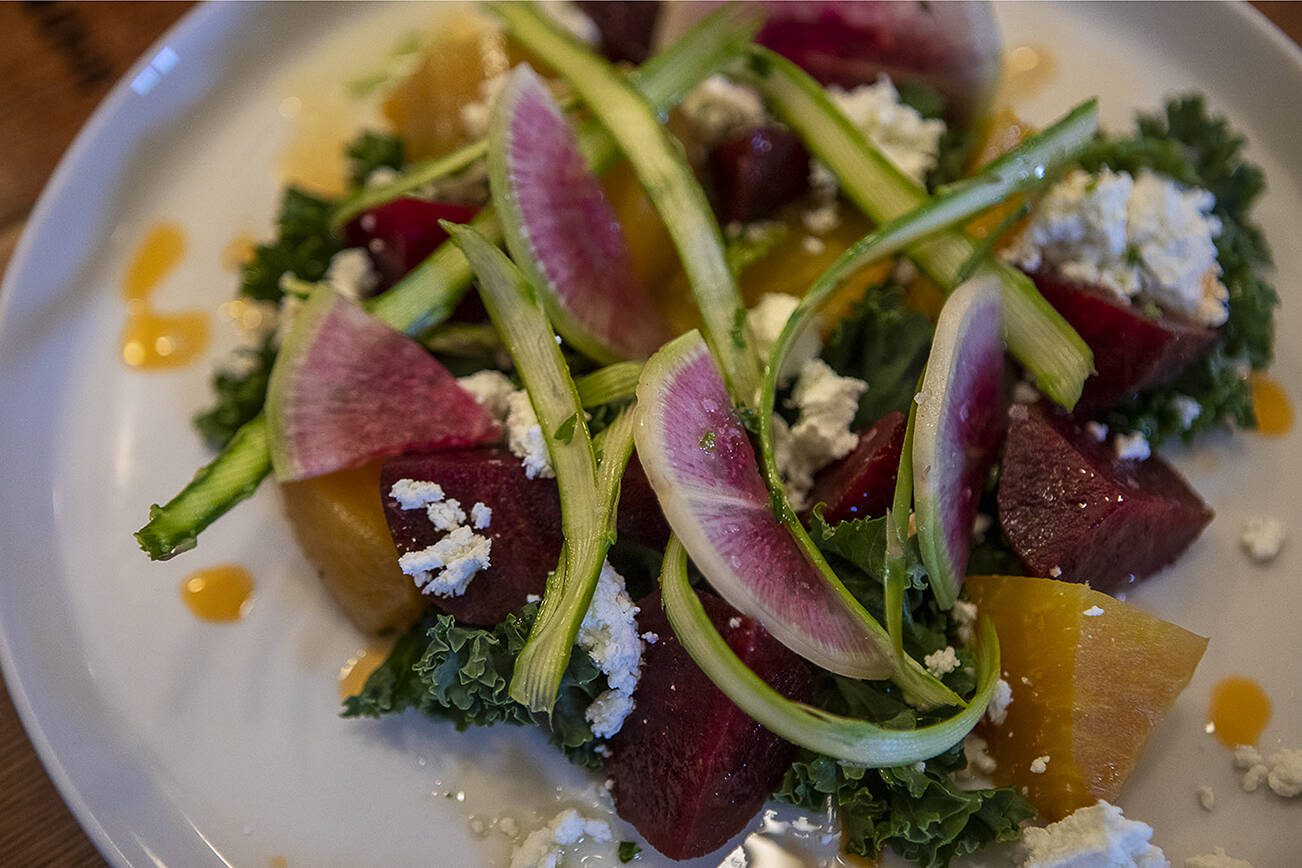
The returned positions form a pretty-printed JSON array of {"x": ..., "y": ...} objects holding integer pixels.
[
  {"x": 562, "y": 231},
  {"x": 960, "y": 421},
  {"x": 699, "y": 460},
  {"x": 347, "y": 389}
]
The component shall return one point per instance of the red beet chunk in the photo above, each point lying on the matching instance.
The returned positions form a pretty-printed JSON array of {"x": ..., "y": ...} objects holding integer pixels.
[
  {"x": 690, "y": 768},
  {"x": 863, "y": 483},
  {"x": 1067, "y": 503},
  {"x": 756, "y": 172},
  {"x": 400, "y": 234},
  {"x": 1131, "y": 351},
  {"x": 627, "y": 28},
  {"x": 525, "y": 530},
  {"x": 639, "y": 517}
]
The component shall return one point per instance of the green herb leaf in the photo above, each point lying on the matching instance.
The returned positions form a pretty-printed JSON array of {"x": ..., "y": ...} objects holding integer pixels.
[
  {"x": 629, "y": 850},
  {"x": 239, "y": 396},
  {"x": 370, "y": 151},
  {"x": 303, "y": 246}
]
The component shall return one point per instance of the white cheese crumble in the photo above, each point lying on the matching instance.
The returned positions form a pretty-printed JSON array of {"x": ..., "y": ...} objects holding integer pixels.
[
  {"x": 980, "y": 764},
  {"x": 475, "y": 116},
  {"x": 717, "y": 108},
  {"x": 1217, "y": 859},
  {"x": 822, "y": 219},
  {"x": 446, "y": 568},
  {"x": 766, "y": 321},
  {"x": 415, "y": 493},
  {"x": 546, "y": 847},
  {"x": 1281, "y": 771},
  {"x": 910, "y": 141},
  {"x": 1131, "y": 447},
  {"x": 1262, "y": 537},
  {"x": 1097, "y": 430},
  {"x": 997, "y": 710},
  {"x": 1206, "y": 797},
  {"x": 1187, "y": 409},
  {"x": 1040, "y": 765},
  {"x": 1025, "y": 393},
  {"x": 964, "y": 614},
  {"x": 481, "y": 516},
  {"x": 1098, "y": 836},
  {"x": 609, "y": 635},
  {"x": 650, "y": 638},
  {"x": 1055, "y": 571},
  {"x": 524, "y": 437},
  {"x": 1093, "y": 612},
  {"x": 1135, "y": 236},
  {"x": 351, "y": 273},
  {"x": 491, "y": 389},
  {"x": 827, "y": 404},
  {"x": 942, "y": 662},
  {"x": 446, "y": 515},
  {"x": 734, "y": 623}
]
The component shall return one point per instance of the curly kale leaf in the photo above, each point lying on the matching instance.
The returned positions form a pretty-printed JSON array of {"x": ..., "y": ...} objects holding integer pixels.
[
  {"x": 1198, "y": 149},
  {"x": 922, "y": 815},
  {"x": 239, "y": 393},
  {"x": 884, "y": 343},
  {"x": 303, "y": 246},
  {"x": 463, "y": 674},
  {"x": 371, "y": 151}
]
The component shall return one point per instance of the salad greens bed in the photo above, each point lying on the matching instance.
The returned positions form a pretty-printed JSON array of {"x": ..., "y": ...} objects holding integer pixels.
[{"x": 527, "y": 670}]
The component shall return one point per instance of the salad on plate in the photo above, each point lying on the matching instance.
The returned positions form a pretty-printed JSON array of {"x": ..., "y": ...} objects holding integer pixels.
[{"x": 746, "y": 397}]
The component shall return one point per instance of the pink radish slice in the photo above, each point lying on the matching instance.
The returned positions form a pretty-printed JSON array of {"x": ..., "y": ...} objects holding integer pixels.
[
  {"x": 563, "y": 232},
  {"x": 961, "y": 420},
  {"x": 347, "y": 389},
  {"x": 700, "y": 462}
]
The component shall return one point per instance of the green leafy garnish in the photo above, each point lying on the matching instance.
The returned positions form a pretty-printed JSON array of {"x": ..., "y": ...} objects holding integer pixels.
[
  {"x": 239, "y": 395},
  {"x": 302, "y": 246},
  {"x": 370, "y": 151},
  {"x": 628, "y": 851}
]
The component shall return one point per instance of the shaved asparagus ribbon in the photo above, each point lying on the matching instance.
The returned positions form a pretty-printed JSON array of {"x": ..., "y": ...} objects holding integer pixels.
[
  {"x": 588, "y": 494},
  {"x": 1036, "y": 334},
  {"x": 1019, "y": 169},
  {"x": 658, "y": 161},
  {"x": 842, "y": 738},
  {"x": 429, "y": 294}
]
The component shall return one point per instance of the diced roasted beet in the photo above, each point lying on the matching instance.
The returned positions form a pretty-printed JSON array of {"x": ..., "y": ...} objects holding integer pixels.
[
  {"x": 525, "y": 528},
  {"x": 1071, "y": 509},
  {"x": 640, "y": 518},
  {"x": 756, "y": 172},
  {"x": 862, "y": 483},
  {"x": 627, "y": 28},
  {"x": 690, "y": 769},
  {"x": 401, "y": 233},
  {"x": 526, "y": 524},
  {"x": 1132, "y": 352}
]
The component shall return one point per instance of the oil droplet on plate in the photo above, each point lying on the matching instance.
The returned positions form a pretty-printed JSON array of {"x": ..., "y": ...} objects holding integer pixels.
[
  {"x": 153, "y": 340},
  {"x": 218, "y": 593},
  {"x": 1271, "y": 404},
  {"x": 353, "y": 674},
  {"x": 1238, "y": 712}
]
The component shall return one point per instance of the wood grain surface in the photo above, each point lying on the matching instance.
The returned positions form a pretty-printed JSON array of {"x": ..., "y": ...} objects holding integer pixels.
[{"x": 57, "y": 61}]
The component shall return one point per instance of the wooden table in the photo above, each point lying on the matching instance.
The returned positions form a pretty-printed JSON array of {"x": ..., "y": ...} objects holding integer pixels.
[{"x": 58, "y": 61}]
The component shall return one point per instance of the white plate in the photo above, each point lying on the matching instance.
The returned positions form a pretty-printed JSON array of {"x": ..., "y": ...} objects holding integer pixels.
[{"x": 187, "y": 743}]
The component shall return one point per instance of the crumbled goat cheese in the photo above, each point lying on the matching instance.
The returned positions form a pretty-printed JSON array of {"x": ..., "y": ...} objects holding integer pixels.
[
  {"x": 1187, "y": 408},
  {"x": 812, "y": 245},
  {"x": 997, "y": 710},
  {"x": 1097, "y": 430},
  {"x": 941, "y": 662},
  {"x": 904, "y": 136},
  {"x": 1025, "y": 393},
  {"x": 1093, "y": 612},
  {"x": 446, "y": 514},
  {"x": 822, "y": 219},
  {"x": 1132, "y": 447},
  {"x": 573, "y": 19},
  {"x": 980, "y": 765},
  {"x": 475, "y": 116},
  {"x": 964, "y": 614},
  {"x": 650, "y": 638},
  {"x": 1040, "y": 765},
  {"x": 766, "y": 321},
  {"x": 1055, "y": 571},
  {"x": 446, "y": 568},
  {"x": 1098, "y": 836},
  {"x": 734, "y": 623},
  {"x": 1206, "y": 798},
  {"x": 1134, "y": 236},
  {"x": 1217, "y": 859},
  {"x": 351, "y": 273},
  {"x": 827, "y": 404},
  {"x": 609, "y": 635},
  {"x": 717, "y": 108},
  {"x": 415, "y": 493},
  {"x": 1262, "y": 537},
  {"x": 481, "y": 516},
  {"x": 382, "y": 176},
  {"x": 546, "y": 847},
  {"x": 532, "y": 598},
  {"x": 524, "y": 437},
  {"x": 1285, "y": 777},
  {"x": 491, "y": 389}
]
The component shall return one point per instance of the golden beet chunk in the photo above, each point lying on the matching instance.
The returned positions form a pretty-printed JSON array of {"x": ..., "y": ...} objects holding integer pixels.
[
  {"x": 338, "y": 520},
  {"x": 1091, "y": 678}
]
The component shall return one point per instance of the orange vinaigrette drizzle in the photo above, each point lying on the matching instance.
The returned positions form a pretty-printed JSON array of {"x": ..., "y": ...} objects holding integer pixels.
[
  {"x": 353, "y": 674},
  {"x": 1238, "y": 712},
  {"x": 219, "y": 593},
  {"x": 1271, "y": 405},
  {"x": 151, "y": 340}
]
